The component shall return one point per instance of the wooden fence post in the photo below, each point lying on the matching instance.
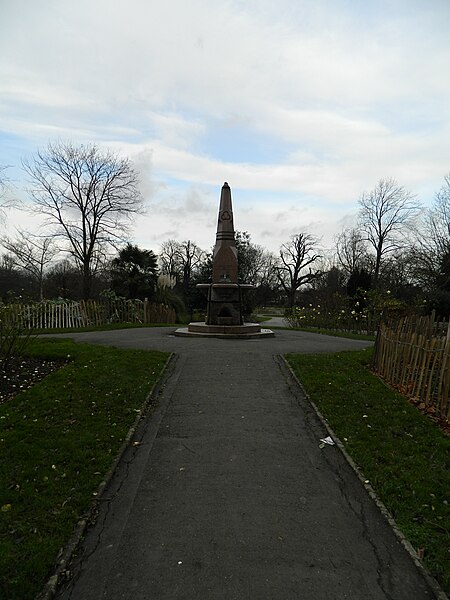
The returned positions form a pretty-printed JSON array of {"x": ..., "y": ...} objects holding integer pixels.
[{"x": 414, "y": 355}]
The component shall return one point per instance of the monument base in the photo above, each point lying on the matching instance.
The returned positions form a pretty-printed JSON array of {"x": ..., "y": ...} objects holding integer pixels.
[{"x": 245, "y": 331}]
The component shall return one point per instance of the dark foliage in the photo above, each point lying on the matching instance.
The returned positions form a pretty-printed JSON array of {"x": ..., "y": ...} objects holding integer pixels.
[
  {"x": 358, "y": 284},
  {"x": 16, "y": 286},
  {"x": 360, "y": 279},
  {"x": 134, "y": 273}
]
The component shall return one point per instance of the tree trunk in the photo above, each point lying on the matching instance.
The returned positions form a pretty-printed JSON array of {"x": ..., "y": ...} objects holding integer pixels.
[
  {"x": 87, "y": 282},
  {"x": 291, "y": 298},
  {"x": 377, "y": 266}
]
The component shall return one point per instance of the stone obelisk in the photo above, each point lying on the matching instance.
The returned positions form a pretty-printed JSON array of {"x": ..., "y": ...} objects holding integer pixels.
[
  {"x": 224, "y": 315},
  {"x": 224, "y": 295},
  {"x": 225, "y": 257}
]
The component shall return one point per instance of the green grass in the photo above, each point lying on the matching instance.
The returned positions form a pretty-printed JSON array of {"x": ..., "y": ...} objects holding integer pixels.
[
  {"x": 57, "y": 441},
  {"x": 345, "y": 334},
  {"x": 106, "y": 327},
  {"x": 270, "y": 311},
  {"x": 401, "y": 451},
  {"x": 258, "y": 319},
  {"x": 334, "y": 332}
]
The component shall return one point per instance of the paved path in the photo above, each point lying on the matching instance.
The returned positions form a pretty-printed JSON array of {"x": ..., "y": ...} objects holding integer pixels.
[
  {"x": 275, "y": 322},
  {"x": 229, "y": 495}
]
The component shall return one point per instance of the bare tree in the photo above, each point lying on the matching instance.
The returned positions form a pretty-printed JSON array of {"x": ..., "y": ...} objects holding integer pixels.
[
  {"x": 256, "y": 266},
  {"x": 88, "y": 195},
  {"x": 7, "y": 262},
  {"x": 5, "y": 200},
  {"x": 189, "y": 256},
  {"x": 267, "y": 282},
  {"x": 3, "y": 180},
  {"x": 267, "y": 272},
  {"x": 169, "y": 258},
  {"x": 180, "y": 260},
  {"x": 437, "y": 220},
  {"x": 384, "y": 214},
  {"x": 295, "y": 264},
  {"x": 31, "y": 253},
  {"x": 351, "y": 251},
  {"x": 431, "y": 241},
  {"x": 252, "y": 258}
]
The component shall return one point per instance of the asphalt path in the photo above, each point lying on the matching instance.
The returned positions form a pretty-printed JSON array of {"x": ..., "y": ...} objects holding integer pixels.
[
  {"x": 163, "y": 338},
  {"x": 228, "y": 495}
]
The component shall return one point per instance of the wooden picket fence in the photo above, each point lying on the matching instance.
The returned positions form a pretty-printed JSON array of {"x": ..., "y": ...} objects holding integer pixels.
[
  {"x": 85, "y": 313},
  {"x": 413, "y": 355}
]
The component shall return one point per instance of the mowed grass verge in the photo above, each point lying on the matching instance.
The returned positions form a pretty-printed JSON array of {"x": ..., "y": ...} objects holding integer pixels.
[
  {"x": 105, "y": 327},
  {"x": 333, "y": 332},
  {"x": 57, "y": 442},
  {"x": 401, "y": 451}
]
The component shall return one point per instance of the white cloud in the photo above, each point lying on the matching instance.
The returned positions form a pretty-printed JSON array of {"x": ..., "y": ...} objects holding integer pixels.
[{"x": 344, "y": 93}]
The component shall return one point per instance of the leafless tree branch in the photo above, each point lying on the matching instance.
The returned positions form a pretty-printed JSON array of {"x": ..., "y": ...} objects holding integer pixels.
[
  {"x": 296, "y": 259},
  {"x": 385, "y": 213},
  {"x": 88, "y": 195},
  {"x": 32, "y": 253}
]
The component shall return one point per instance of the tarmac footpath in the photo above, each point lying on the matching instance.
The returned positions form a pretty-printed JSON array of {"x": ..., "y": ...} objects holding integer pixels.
[{"x": 225, "y": 494}]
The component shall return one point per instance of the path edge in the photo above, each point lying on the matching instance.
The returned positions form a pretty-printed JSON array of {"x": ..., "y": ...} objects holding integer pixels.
[
  {"x": 66, "y": 553},
  {"x": 431, "y": 581}
]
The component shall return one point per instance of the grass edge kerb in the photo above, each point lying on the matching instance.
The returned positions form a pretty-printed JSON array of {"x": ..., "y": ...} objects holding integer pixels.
[
  {"x": 66, "y": 553},
  {"x": 431, "y": 581}
]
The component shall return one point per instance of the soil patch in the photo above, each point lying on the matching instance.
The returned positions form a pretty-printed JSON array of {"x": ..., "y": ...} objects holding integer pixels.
[{"x": 21, "y": 373}]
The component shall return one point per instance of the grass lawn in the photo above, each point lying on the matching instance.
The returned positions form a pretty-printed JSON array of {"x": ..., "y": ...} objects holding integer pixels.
[
  {"x": 57, "y": 441},
  {"x": 345, "y": 334},
  {"x": 106, "y": 327},
  {"x": 334, "y": 332},
  {"x": 401, "y": 451},
  {"x": 259, "y": 319}
]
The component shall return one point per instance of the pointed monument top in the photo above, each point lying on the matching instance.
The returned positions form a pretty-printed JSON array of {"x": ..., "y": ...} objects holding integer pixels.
[
  {"x": 225, "y": 227},
  {"x": 225, "y": 252}
]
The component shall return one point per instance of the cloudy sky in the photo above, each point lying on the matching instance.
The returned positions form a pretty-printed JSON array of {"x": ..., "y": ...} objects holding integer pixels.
[{"x": 300, "y": 105}]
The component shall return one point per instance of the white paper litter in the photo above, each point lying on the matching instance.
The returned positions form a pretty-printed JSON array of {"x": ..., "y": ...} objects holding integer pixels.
[{"x": 327, "y": 440}]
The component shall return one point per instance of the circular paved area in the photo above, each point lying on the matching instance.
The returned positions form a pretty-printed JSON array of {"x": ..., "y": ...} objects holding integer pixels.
[{"x": 163, "y": 338}]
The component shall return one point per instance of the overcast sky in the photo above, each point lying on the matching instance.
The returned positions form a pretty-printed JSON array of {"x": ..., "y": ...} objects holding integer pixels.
[{"x": 300, "y": 105}]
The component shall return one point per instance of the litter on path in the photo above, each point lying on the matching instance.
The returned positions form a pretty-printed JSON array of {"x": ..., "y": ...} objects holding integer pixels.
[{"x": 327, "y": 440}]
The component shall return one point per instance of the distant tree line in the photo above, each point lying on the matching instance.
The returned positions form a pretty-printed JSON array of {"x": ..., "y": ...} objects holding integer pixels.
[{"x": 89, "y": 197}]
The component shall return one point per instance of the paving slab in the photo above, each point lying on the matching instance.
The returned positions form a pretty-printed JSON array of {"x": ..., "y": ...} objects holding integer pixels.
[{"x": 229, "y": 496}]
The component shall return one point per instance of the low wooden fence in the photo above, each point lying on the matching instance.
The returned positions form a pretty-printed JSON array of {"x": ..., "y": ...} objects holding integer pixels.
[
  {"x": 85, "y": 313},
  {"x": 413, "y": 355}
]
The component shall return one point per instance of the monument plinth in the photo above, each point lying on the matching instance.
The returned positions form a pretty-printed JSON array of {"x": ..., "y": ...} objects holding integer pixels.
[{"x": 224, "y": 315}]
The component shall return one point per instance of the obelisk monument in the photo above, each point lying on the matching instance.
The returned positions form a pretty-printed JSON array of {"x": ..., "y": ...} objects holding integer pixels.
[
  {"x": 225, "y": 256},
  {"x": 224, "y": 315}
]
